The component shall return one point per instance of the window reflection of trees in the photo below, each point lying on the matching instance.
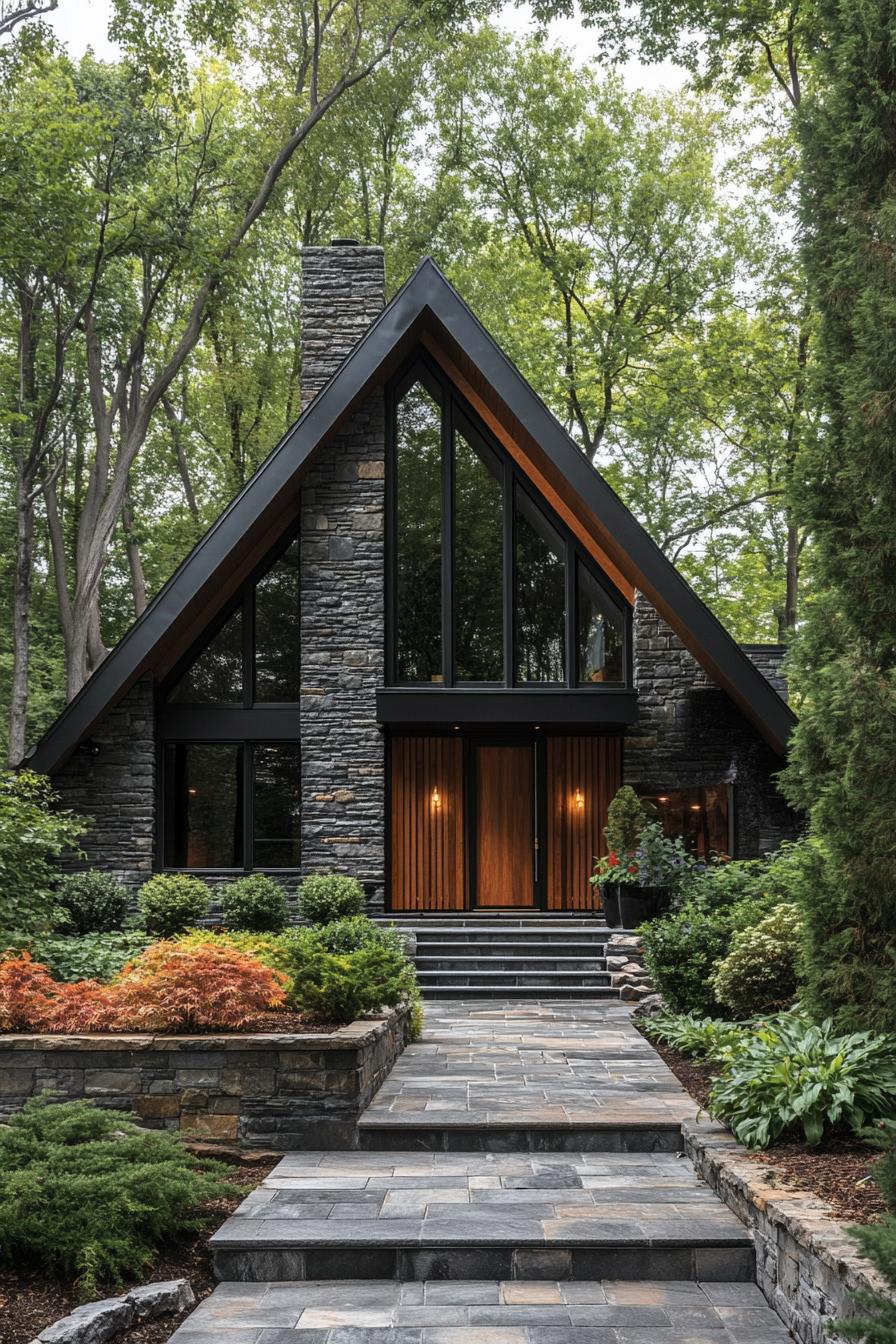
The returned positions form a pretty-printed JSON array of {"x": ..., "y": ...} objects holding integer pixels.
[
  {"x": 418, "y": 596},
  {"x": 540, "y": 596},
  {"x": 216, "y": 676},
  {"x": 599, "y": 633},
  {"x": 478, "y": 564},
  {"x": 277, "y": 630}
]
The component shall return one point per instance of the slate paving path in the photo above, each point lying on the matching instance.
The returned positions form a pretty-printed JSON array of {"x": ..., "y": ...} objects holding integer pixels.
[
  {"x": 551, "y": 1067},
  {"x": 519, "y": 1182}
]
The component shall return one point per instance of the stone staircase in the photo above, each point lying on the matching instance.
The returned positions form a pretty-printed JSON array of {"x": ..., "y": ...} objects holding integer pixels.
[
  {"x": 580, "y": 1222},
  {"x": 519, "y": 958}
]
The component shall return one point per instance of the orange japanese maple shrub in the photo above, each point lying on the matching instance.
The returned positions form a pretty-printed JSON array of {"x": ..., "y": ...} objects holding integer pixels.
[
  {"x": 85, "y": 1005},
  {"x": 172, "y": 987},
  {"x": 27, "y": 994}
]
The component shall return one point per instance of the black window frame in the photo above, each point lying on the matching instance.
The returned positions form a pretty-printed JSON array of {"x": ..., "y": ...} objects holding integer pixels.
[
  {"x": 247, "y": 827},
  {"x": 457, "y": 413},
  {"x": 245, "y": 723}
]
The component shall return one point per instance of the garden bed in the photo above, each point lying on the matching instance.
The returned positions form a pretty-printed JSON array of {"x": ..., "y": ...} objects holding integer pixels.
[
  {"x": 838, "y": 1171},
  {"x": 30, "y": 1303}
]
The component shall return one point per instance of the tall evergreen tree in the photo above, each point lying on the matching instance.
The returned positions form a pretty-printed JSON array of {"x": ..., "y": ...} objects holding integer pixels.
[{"x": 842, "y": 761}]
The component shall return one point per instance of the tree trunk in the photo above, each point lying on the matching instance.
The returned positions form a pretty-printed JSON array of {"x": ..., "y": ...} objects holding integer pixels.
[{"x": 21, "y": 610}]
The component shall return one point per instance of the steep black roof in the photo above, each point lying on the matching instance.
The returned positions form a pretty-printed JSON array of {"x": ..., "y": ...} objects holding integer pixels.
[{"x": 427, "y": 297}]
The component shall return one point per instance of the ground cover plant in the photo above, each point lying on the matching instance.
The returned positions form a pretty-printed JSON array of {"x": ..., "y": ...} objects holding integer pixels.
[
  {"x": 88, "y": 956},
  {"x": 85, "y": 1193},
  {"x": 697, "y": 1037}
]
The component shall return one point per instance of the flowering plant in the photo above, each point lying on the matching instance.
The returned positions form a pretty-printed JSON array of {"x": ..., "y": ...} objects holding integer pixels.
[{"x": 656, "y": 862}]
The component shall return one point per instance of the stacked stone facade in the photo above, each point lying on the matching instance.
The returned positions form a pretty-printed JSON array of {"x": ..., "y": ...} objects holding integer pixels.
[
  {"x": 690, "y": 734},
  {"x": 343, "y": 622},
  {"x": 111, "y": 778}
]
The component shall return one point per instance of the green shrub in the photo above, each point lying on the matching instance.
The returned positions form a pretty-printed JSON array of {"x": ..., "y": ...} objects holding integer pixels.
[
  {"x": 347, "y": 935},
  {"x": 256, "y": 902},
  {"x": 697, "y": 1037},
  {"x": 759, "y": 973},
  {"x": 324, "y": 897},
  {"x": 84, "y": 1192},
  {"x": 794, "y": 1074},
  {"x": 681, "y": 950},
  {"x": 93, "y": 956},
  {"x": 721, "y": 885},
  {"x": 171, "y": 902},
  {"x": 33, "y": 832},
  {"x": 341, "y": 988},
  {"x": 92, "y": 902}
]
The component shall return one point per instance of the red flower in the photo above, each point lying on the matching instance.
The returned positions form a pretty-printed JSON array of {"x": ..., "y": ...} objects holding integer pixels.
[
  {"x": 633, "y": 868},
  {"x": 613, "y": 860}
]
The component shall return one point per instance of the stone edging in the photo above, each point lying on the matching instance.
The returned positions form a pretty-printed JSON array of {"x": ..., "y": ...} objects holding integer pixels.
[
  {"x": 806, "y": 1265},
  {"x": 96, "y": 1322},
  {"x": 356, "y": 1033}
]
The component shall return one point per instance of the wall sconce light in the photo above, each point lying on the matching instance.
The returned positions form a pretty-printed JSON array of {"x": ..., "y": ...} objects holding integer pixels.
[
  {"x": 695, "y": 807},
  {"x": 663, "y": 798},
  {"x": 579, "y": 801},
  {"x": 192, "y": 792},
  {"x": 436, "y": 800}
]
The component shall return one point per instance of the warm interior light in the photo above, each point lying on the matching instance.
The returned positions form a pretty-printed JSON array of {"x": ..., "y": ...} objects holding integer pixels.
[
  {"x": 663, "y": 798},
  {"x": 695, "y": 807},
  {"x": 580, "y": 800},
  {"x": 436, "y": 799},
  {"x": 192, "y": 792}
]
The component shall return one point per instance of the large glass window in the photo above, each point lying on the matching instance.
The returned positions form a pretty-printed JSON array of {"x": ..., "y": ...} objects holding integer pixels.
[
  {"x": 203, "y": 789},
  {"x": 231, "y": 804},
  {"x": 418, "y": 541},
  {"x": 276, "y": 809},
  {"x": 216, "y": 677},
  {"x": 478, "y": 563},
  {"x": 487, "y": 585},
  {"x": 254, "y": 657},
  {"x": 599, "y": 633},
  {"x": 277, "y": 630},
  {"x": 539, "y": 595}
]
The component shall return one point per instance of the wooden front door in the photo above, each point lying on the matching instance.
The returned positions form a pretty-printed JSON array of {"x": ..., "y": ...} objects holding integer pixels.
[{"x": 504, "y": 781}]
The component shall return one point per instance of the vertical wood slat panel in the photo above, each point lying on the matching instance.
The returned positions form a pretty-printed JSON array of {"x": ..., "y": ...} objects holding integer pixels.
[
  {"x": 427, "y": 843},
  {"x": 575, "y": 836}
]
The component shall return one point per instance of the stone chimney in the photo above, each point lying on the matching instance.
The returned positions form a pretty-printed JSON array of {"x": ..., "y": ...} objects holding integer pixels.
[{"x": 343, "y": 290}]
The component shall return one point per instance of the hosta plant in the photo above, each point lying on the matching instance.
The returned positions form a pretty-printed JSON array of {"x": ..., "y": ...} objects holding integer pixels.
[
  {"x": 794, "y": 1075},
  {"x": 698, "y": 1037}
]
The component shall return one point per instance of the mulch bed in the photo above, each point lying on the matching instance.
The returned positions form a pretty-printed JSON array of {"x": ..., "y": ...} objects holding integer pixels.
[
  {"x": 838, "y": 1171},
  {"x": 31, "y": 1302}
]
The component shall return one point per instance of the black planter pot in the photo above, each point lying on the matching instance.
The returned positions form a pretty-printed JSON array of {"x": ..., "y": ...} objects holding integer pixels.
[
  {"x": 637, "y": 904},
  {"x": 609, "y": 895}
]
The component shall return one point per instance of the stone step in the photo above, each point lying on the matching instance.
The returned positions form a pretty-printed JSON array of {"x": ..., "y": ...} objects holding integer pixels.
[
  {"x": 512, "y": 1215},
  {"x": 486, "y": 961},
  {"x": 487, "y": 977},
  {"x": 461, "y": 1132},
  {"x": 438, "y": 991},
  {"x": 510, "y": 945},
  {"x": 477, "y": 1311}
]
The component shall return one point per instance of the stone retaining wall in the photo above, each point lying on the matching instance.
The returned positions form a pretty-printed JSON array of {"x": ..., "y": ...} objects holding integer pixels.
[
  {"x": 262, "y": 1090},
  {"x": 806, "y": 1265}
]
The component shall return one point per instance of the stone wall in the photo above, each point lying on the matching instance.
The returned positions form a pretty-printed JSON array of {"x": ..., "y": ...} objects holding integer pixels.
[
  {"x": 112, "y": 778},
  {"x": 279, "y": 1092},
  {"x": 769, "y": 658},
  {"x": 343, "y": 290},
  {"x": 806, "y": 1265},
  {"x": 691, "y": 734},
  {"x": 343, "y": 616}
]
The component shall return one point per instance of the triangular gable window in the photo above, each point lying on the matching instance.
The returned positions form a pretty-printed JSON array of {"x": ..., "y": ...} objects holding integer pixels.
[
  {"x": 486, "y": 586},
  {"x": 254, "y": 657}
]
